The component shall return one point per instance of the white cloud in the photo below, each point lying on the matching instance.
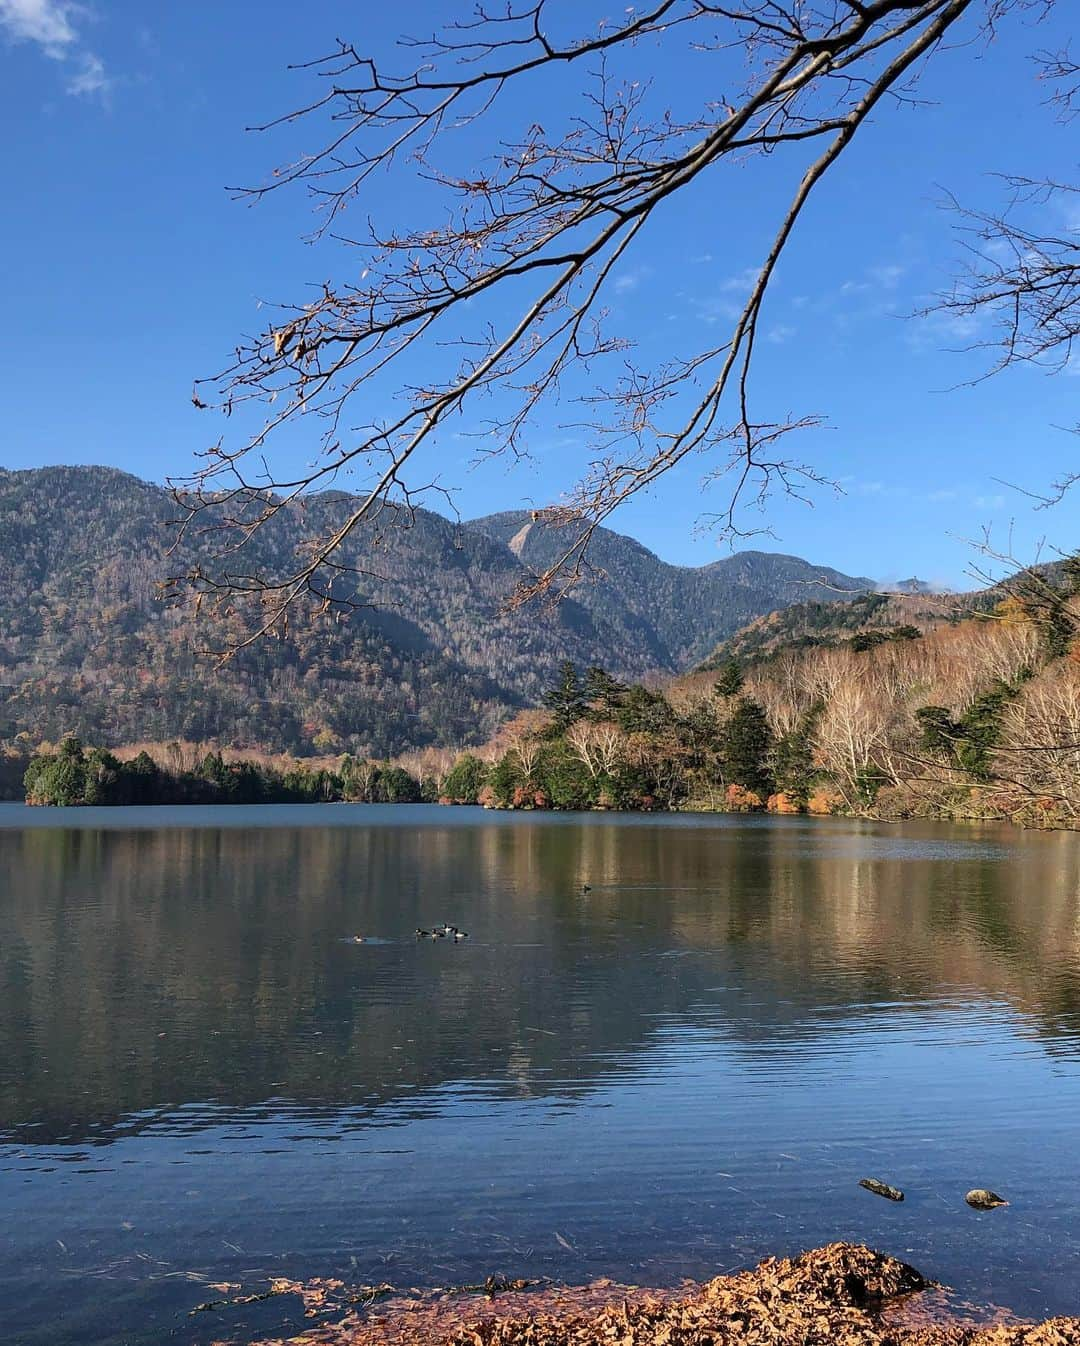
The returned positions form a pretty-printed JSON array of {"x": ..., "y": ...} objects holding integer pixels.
[
  {"x": 887, "y": 277},
  {"x": 888, "y": 490},
  {"x": 715, "y": 310},
  {"x": 628, "y": 281},
  {"x": 46, "y": 22},
  {"x": 742, "y": 281},
  {"x": 91, "y": 78},
  {"x": 52, "y": 26},
  {"x": 779, "y": 333},
  {"x": 934, "y": 331},
  {"x": 727, "y": 303},
  {"x": 874, "y": 281},
  {"x": 988, "y": 501}
]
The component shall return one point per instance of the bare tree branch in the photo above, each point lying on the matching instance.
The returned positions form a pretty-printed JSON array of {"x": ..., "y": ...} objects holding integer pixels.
[
  {"x": 1020, "y": 287},
  {"x": 1018, "y": 291},
  {"x": 501, "y": 299}
]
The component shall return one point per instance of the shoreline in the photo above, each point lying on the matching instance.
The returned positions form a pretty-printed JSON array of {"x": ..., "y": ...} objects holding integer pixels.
[
  {"x": 700, "y": 811},
  {"x": 841, "y": 1294}
]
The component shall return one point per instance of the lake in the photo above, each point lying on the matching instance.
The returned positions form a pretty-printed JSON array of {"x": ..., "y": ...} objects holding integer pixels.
[{"x": 678, "y": 1072}]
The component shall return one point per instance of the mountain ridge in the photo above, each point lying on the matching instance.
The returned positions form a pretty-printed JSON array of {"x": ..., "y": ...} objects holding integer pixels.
[
  {"x": 87, "y": 645},
  {"x": 616, "y": 556}
]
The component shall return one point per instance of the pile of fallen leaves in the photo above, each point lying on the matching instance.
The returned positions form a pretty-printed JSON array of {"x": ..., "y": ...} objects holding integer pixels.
[{"x": 840, "y": 1295}]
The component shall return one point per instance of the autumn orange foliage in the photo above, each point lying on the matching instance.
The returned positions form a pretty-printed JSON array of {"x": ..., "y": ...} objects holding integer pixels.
[
  {"x": 824, "y": 802},
  {"x": 738, "y": 799}
]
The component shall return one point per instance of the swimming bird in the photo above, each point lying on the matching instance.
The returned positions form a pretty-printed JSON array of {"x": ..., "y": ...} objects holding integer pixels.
[
  {"x": 359, "y": 939},
  {"x": 585, "y": 888},
  {"x": 461, "y": 934}
]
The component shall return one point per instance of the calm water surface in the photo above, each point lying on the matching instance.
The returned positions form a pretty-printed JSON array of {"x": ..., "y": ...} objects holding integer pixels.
[{"x": 678, "y": 1072}]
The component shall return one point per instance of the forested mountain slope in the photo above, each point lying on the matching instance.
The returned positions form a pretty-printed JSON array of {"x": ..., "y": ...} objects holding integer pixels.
[
  {"x": 87, "y": 643},
  {"x": 681, "y": 612},
  {"x": 867, "y": 618}
]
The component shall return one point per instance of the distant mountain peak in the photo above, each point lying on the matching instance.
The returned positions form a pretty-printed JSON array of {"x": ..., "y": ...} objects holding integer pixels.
[{"x": 87, "y": 646}]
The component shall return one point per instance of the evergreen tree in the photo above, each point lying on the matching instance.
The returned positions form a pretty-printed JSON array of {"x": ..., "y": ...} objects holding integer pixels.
[
  {"x": 565, "y": 781},
  {"x": 980, "y": 729},
  {"x": 1060, "y": 630},
  {"x": 698, "y": 733},
  {"x": 747, "y": 740},
  {"x": 504, "y": 778},
  {"x": 396, "y": 786},
  {"x": 465, "y": 779},
  {"x": 645, "y": 712},
  {"x": 103, "y": 778},
  {"x": 1071, "y": 574},
  {"x": 58, "y": 779},
  {"x": 212, "y": 769},
  {"x": 604, "y": 691},
  {"x": 793, "y": 758},
  {"x": 938, "y": 731},
  {"x": 567, "y": 700},
  {"x": 730, "y": 679}
]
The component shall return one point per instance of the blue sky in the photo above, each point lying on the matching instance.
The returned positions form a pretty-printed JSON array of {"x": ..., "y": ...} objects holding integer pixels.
[{"x": 129, "y": 271}]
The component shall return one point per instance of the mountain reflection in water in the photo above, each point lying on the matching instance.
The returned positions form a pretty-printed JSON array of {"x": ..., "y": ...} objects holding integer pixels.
[{"x": 685, "y": 1068}]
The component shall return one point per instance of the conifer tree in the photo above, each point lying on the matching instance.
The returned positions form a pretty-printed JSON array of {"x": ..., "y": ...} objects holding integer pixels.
[
  {"x": 567, "y": 700},
  {"x": 604, "y": 691},
  {"x": 747, "y": 741},
  {"x": 730, "y": 680}
]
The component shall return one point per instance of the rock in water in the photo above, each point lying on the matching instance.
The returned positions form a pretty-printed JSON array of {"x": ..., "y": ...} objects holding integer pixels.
[
  {"x": 982, "y": 1199},
  {"x": 881, "y": 1189}
]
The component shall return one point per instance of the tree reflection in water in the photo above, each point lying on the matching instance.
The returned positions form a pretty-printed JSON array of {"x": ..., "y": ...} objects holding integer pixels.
[{"x": 735, "y": 1019}]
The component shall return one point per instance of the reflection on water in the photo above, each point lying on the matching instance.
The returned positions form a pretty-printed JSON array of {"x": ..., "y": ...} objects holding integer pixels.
[{"x": 683, "y": 1069}]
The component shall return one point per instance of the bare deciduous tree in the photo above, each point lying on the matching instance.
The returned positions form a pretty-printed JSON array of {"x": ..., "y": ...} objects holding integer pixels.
[
  {"x": 1041, "y": 739},
  {"x": 1019, "y": 289},
  {"x": 599, "y": 746},
  {"x": 852, "y": 735},
  {"x": 527, "y": 751},
  {"x": 498, "y": 298}
]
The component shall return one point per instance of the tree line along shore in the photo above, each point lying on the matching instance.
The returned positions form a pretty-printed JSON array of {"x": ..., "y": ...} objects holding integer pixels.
[{"x": 967, "y": 720}]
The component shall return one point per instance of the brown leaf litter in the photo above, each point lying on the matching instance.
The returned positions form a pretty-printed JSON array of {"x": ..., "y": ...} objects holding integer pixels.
[{"x": 839, "y": 1295}]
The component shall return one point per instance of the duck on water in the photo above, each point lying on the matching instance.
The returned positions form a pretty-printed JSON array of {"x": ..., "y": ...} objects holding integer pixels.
[{"x": 442, "y": 932}]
